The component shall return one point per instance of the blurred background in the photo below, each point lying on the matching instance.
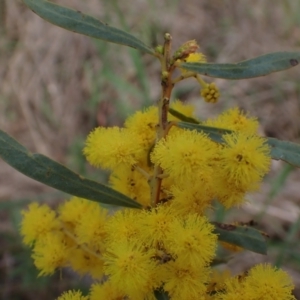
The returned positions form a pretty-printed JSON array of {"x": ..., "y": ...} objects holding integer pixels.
[{"x": 55, "y": 86}]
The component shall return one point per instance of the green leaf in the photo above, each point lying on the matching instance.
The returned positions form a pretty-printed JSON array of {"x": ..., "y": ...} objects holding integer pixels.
[
  {"x": 243, "y": 236},
  {"x": 78, "y": 22},
  {"x": 286, "y": 151},
  {"x": 161, "y": 295},
  {"x": 182, "y": 117},
  {"x": 49, "y": 172},
  {"x": 214, "y": 133},
  {"x": 255, "y": 67}
]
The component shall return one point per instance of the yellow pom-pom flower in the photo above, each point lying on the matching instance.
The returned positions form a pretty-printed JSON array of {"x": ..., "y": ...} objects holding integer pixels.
[
  {"x": 268, "y": 283},
  {"x": 182, "y": 281},
  {"x": 184, "y": 155},
  {"x": 112, "y": 147},
  {"x": 106, "y": 291},
  {"x": 143, "y": 124},
  {"x": 191, "y": 240},
  {"x": 83, "y": 261},
  {"x": 91, "y": 229},
  {"x": 262, "y": 282},
  {"x": 234, "y": 119},
  {"x": 195, "y": 197},
  {"x": 156, "y": 225},
  {"x": 37, "y": 221},
  {"x": 131, "y": 269},
  {"x": 244, "y": 160},
  {"x": 124, "y": 226},
  {"x": 232, "y": 289},
  {"x": 228, "y": 193},
  {"x": 131, "y": 183},
  {"x": 72, "y": 295},
  {"x": 70, "y": 212},
  {"x": 50, "y": 252},
  {"x": 170, "y": 244}
]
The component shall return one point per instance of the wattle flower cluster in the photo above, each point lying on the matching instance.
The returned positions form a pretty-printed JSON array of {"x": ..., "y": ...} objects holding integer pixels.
[{"x": 169, "y": 245}]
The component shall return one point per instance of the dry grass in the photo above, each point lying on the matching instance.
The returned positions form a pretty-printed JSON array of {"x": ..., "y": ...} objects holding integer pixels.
[{"x": 56, "y": 85}]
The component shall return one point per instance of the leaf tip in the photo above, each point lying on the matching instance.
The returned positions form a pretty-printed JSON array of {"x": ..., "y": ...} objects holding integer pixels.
[{"x": 294, "y": 62}]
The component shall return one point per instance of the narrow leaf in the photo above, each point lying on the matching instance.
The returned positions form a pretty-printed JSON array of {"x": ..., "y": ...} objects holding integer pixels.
[
  {"x": 182, "y": 117},
  {"x": 51, "y": 173},
  {"x": 243, "y": 236},
  {"x": 81, "y": 23},
  {"x": 286, "y": 151},
  {"x": 255, "y": 67}
]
